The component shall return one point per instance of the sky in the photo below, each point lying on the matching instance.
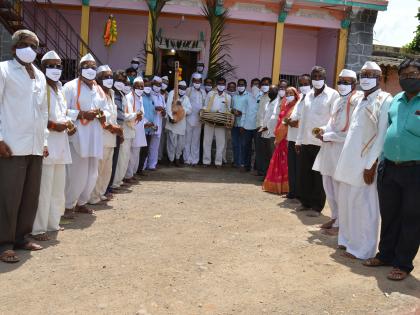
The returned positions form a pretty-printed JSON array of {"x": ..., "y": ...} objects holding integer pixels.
[{"x": 396, "y": 26}]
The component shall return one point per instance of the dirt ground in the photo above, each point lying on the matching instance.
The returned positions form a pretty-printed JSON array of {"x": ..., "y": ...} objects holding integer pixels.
[{"x": 199, "y": 241}]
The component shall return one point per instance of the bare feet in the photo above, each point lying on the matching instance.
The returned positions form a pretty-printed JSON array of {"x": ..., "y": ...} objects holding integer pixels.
[
  {"x": 373, "y": 262},
  {"x": 396, "y": 274},
  {"x": 31, "y": 246}
]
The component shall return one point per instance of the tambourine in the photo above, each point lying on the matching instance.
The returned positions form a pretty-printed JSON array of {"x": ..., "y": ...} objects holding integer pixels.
[{"x": 316, "y": 131}]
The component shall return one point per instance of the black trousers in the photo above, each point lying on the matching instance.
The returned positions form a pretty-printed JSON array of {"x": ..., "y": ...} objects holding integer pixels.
[
  {"x": 114, "y": 162},
  {"x": 398, "y": 190},
  {"x": 144, "y": 152},
  {"x": 293, "y": 170},
  {"x": 312, "y": 194},
  {"x": 263, "y": 152},
  {"x": 20, "y": 180}
]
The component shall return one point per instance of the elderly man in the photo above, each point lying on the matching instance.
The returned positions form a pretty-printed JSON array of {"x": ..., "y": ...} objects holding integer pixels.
[
  {"x": 83, "y": 95},
  {"x": 316, "y": 111},
  {"x": 197, "y": 96},
  {"x": 23, "y": 142},
  {"x": 356, "y": 168},
  {"x": 176, "y": 129},
  {"x": 332, "y": 136},
  {"x": 51, "y": 197},
  {"x": 399, "y": 178},
  {"x": 216, "y": 101}
]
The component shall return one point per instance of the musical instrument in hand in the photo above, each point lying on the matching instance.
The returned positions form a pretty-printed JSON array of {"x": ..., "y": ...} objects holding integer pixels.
[
  {"x": 178, "y": 112},
  {"x": 317, "y": 131},
  {"x": 217, "y": 119}
]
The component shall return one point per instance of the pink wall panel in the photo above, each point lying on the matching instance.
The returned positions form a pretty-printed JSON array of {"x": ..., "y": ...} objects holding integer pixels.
[{"x": 327, "y": 51}]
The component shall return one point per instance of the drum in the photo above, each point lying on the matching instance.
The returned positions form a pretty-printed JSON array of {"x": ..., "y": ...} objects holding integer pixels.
[{"x": 217, "y": 119}]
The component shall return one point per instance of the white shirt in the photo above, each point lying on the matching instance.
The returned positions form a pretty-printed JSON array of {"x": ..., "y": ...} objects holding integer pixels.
[
  {"x": 221, "y": 103},
  {"x": 23, "y": 109},
  {"x": 197, "y": 98},
  {"x": 292, "y": 132},
  {"x": 88, "y": 140},
  {"x": 180, "y": 127},
  {"x": 271, "y": 117},
  {"x": 58, "y": 142},
  {"x": 130, "y": 115},
  {"x": 140, "y": 135},
  {"x": 316, "y": 112},
  {"x": 111, "y": 112},
  {"x": 158, "y": 100},
  {"x": 262, "y": 100}
]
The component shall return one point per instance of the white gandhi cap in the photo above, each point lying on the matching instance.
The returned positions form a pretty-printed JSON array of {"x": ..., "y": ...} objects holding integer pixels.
[
  {"x": 157, "y": 79},
  {"x": 87, "y": 57},
  {"x": 370, "y": 65},
  {"x": 103, "y": 68},
  {"x": 182, "y": 83},
  {"x": 196, "y": 76},
  {"x": 138, "y": 79},
  {"x": 51, "y": 55},
  {"x": 348, "y": 74}
]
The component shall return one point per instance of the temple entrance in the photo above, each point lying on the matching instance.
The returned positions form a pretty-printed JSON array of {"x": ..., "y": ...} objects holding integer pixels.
[{"x": 187, "y": 61}]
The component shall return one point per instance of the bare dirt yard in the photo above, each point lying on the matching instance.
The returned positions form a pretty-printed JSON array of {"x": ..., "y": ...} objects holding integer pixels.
[{"x": 199, "y": 241}]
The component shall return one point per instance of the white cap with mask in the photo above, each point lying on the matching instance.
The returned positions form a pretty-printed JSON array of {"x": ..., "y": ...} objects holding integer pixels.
[
  {"x": 369, "y": 83},
  {"x": 50, "y": 73}
]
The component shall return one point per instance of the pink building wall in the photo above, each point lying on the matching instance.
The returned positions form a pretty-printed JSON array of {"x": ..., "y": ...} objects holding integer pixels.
[{"x": 326, "y": 52}]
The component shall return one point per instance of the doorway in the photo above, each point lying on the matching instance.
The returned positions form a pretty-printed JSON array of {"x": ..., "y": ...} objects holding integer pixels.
[{"x": 187, "y": 61}]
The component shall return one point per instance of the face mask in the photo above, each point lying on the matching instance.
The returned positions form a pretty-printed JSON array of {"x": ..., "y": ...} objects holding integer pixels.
[
  {"x": 282, "y": 93},
  {"x": 53, "y": 74},
  {"x": 134, "y": 66},
  {"x": 200, "y": 69},
  {"x": 89, "y": 74},
  {"x": 221, "y": 88},
  {"x": 305, "y": 89},
  {"x": 131, "y": 79},
  {"x": 156, "y": 88},
  {"x": 164, "y": 86},
  {"x": 343, "y": 89},
  {"x": 126, "y": 89},
  {"x": 138, "y": 92},
  {"x": 272, "y": 95},
  {"x": 231, "y": 93},
  {"x": 318, "y": 84},
  {"x": 196, "y": 85},
  {"x": 208, "y": 88},
  {"x": 108, "y": 83},
  {"x": 290, "y": 98},
  {"x": 367, "y": 83},
  {"x": 265, "y": 88},
  {"x": 119, "y": 85},
  {"x": 411, "y": 86},
  {"x": 147, "y": 89},
  {"x": 27, "y": 54},
  {"x": 181, "y": 92},
  {"x": 241, "y": 89}
]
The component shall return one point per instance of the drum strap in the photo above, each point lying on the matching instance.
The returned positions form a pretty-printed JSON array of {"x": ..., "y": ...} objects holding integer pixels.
[{"x": 211, "y": 101}]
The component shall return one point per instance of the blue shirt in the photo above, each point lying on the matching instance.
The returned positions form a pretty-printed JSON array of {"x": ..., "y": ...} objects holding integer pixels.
[
  {"x": 240, "y": 102},
  {"x": 149, "y": 111},
  {"x": 402, "y": 140},
  {"x": 249, "y": 112}
]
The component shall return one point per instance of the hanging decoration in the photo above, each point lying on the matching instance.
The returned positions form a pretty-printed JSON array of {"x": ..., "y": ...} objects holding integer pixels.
[
  {"x": 110, "y": 33},
  {"x": 177, "y": 44}
]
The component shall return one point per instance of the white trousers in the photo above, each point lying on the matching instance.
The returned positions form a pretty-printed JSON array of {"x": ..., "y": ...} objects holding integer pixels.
[
  {"x": 175, "y": 145},
  {"x": 51, "y": 199},
  {"x": 209, "y": 133},
  {"x": 133, "y": 164},
  {"x": 359, "y": 219},
  {"x": 152, "y": 158},
  {"x": 192, "y": 144},
  {"x": 104, "y": 175},
  {"x": 81, "y": 178},
  {"x": 122, "y": 164},
  {"x": 331, "y": 191}
]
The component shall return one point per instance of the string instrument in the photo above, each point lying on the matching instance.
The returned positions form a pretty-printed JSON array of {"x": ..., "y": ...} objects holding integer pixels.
[{"x": 178, "y": 112}]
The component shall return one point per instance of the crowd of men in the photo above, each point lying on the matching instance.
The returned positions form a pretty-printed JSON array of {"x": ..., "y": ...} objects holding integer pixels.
[{"x": 65, "y": 147}]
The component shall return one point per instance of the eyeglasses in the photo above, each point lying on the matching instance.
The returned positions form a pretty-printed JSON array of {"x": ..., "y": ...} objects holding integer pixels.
[
  {"x": 54, "y": 67},
  {"x": 410, "y": 75},
  {"x": 25, "y": 45},
  {"x": 182, "y": 88},
  {"x": 107, "y": 77},
  {"x": 369, "y": 76},
  {"x": 89, "y": 67},
  {"x": 344, "y": 83}
]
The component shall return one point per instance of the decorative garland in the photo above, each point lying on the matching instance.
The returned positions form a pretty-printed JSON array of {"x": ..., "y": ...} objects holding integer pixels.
[
  {"x": 110, "y": 33},
  {"x": 178, "y": 44}
]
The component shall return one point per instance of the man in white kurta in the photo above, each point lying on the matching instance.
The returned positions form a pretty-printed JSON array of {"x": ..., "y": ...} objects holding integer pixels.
[
  {"x": 216, "y": 101},
  {"x": 197, "y": 96},
  {"x": 357, "y": 196},
  {"x": 86, "y": 145},
  {"x": 176, "y": 130},
  {"x": 53, "y": 179},
  {"x": 332, "y": 136}
]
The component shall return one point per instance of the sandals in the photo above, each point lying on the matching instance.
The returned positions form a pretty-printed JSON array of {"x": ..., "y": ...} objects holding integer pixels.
[
  {"x": 43, "y": 237},
  {"x": 328, "y": 225},
  {"x": 396, "y": 274},
  {"x": 84, "y": 209},
  {"x": 9, "y": 257},
  {"x": 373, "y": 262},
  {"x": 69, "y": 214}
]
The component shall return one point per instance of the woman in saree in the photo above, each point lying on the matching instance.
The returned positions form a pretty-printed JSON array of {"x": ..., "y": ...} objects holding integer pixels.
[{"x": 276, "y": 180}]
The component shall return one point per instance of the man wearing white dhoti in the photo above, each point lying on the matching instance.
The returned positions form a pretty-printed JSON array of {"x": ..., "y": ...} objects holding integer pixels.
[
  {"x": 332, "y": 136},
  {"x": 53, "y": 178},
  {"x": 197, "y": 96},
  {"x": 176, "y": 130},
  {"x": 356, "y": 167},
  {"x": 83, "y": 95}
]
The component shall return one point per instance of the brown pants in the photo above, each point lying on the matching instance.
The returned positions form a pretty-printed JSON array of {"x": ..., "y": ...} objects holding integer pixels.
[{"x": 20, "y": 179}]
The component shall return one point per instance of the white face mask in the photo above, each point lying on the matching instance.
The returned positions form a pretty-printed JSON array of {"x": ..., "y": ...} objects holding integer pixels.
[
  {"x": 344, "y": 89},
  {"x": 241, "y": 89},
  {"x": 147, "y": 89},
  {"x": 221, "y": 88},
  {"x": 134, "y": 66},
  {"x": 108, "y": 83},
  {"x": 197, "y": 85},
  {"x": 367, "y": 83},
  {"x": 138, "y": 92},
  {"x": 208, "y": 88},
  {"x": 200, "y": 69},
  {"x": 89, "y": 74},
  {"x": 164, "y": 86},
  {"x": 282, "y": 93},
  {"x": 290, "y": 98},
  {"x": 156, "y": 88},
  {"x": 181, "y": 92},
  {"x": 318, "y": 84},
  {"x": 305, "y": 89},
  {"x": 53, "y": 74},
  {"x": 119, "y": 85},
  {"x": 265, "y": 88},
  {"x": 126, "y": 89},
  {"x": 26, "y": 55}
]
